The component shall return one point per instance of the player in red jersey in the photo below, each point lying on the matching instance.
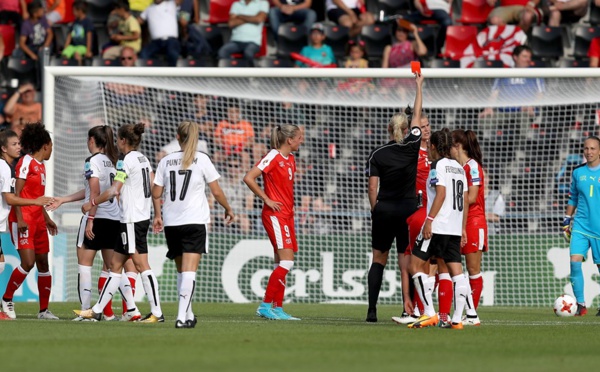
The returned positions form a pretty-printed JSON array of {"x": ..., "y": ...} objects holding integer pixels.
[
  {"x": 29, "y": 225},
  {"x": 278, "y": 168},
  {"x": 467, "y": 152}
]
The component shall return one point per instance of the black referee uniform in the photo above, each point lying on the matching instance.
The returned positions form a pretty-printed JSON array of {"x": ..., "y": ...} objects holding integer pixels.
[{"x": 396, "y": 166}]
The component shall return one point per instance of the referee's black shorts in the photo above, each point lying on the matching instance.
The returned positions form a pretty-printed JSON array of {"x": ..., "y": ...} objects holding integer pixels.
[{"x": 388, "y": 222}]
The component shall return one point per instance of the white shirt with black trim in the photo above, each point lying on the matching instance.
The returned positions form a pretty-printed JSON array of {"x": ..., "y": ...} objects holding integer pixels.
[
  {"x": 99, "y": 166},
  {"x": 7, "y": 184},
  {"x": 136, "y": 193},
  {"x": 185, "y": 190},
  {"x": 450, "y": 174}
]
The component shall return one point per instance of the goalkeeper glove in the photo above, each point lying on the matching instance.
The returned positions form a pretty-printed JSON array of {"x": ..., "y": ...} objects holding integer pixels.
[{"x": 566, "y": 228}]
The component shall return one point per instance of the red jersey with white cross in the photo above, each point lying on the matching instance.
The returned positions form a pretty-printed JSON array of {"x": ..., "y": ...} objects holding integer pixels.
[
  {"x": 474, "y": 174},
  {"x": 278, "y": 175},
  {"x": 423, "y": 166},
  {"x": 34, "y": 174}
]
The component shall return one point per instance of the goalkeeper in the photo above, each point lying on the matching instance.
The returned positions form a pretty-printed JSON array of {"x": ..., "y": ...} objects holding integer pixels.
[{"x": 584, "y": 233}]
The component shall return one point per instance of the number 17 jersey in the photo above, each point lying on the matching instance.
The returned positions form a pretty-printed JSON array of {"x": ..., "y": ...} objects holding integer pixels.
[{"x": 184, "y": 189}]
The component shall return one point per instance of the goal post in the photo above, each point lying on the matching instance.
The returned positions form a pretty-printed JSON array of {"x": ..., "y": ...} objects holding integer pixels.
[{"x": 344, "y": 113}]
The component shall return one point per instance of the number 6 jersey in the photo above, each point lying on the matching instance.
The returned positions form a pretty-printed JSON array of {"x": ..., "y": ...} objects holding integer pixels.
[
  {"x": 450, "y": 174},
  {"x": 184, "y": 190},
  {"x": 134, "y": 172}
]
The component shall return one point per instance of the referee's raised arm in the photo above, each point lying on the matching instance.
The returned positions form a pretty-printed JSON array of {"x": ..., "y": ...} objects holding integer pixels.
[{"x": 418, "y": 107}]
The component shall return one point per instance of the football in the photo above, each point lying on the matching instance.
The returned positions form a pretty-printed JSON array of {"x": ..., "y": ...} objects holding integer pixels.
[{"x": 565, "y": 305}]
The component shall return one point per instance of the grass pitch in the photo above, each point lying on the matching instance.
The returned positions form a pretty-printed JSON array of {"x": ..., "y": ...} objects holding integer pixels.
[{"x": 329, "y": 338}]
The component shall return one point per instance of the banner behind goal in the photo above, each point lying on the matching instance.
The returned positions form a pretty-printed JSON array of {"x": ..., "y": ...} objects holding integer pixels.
[{"x": 531, "y": 142}]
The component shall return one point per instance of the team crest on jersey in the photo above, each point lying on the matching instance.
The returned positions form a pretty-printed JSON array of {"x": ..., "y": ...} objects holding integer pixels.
[
  {"x": 281, "y": 164},
  {"x": 120, "y": 164},
  {"x": 416, "y": 131},
  {"x": 37, "y": 169},
  {"x": 582, "y": 178}
]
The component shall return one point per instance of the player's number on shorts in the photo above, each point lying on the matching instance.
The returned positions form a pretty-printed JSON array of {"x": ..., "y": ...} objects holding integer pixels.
[
  {"x": 187, "y": 174},
  {"x": 146, "y": 182},
  {"x": 287, "y": 231},
  {"x": 458, "y": 188}
]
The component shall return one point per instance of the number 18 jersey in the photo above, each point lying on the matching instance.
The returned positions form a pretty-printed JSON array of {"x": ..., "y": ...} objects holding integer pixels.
[
  {"x": 134, "y": 171},
  {"x": 448, "y": 173},
  {"x": 184, "y": 190}
]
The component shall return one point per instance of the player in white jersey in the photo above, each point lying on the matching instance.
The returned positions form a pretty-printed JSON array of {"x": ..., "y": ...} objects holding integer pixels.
[
  {"x": 99, "y": 228},
  {"x": 11, "y": 151},
  {"x": 443, "y": 233},
  {"x": 183, "y": 177},
  {"x": 133, "y": 185}
]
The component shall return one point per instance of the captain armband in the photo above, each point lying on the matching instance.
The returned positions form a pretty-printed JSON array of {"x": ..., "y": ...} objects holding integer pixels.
[{"x": 121, "y": 176}]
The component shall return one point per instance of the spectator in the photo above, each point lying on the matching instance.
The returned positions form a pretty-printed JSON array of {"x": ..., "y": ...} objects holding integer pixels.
[
  {"x": 349, "y": 13},
  {"x": 317, "y": 51},
  {"x": 138, "y": 6},
  {"x": 202, "y": 114},
  {"x": 433, "y": 10},
  {"x": 509, "y": 88},
  {"x": 566, "y": 11},
  {"x": 36, "y": 33},
  {"x": 240, "y": 198},
  {"x": 246, "y": 19},
  {"x": 13, "y": 11},
  {"x": 26, "y": 111},
  {"x": 174, "y": 145},
  {"x": 1, "y": 48},
  {"x": 356, "y": 55},
  {"x": 128, "y": 58},
  {"x": 234, "y": 136},
  {"x": 521, "y": 12},
  {"x": 495, "y": 208},
  {"x": 79, "y": 40},
  {"x": 162, "y": 24},
  {"x": 129, "y": 32},
  {"x": 403, "y": 51},
  {"x": 55, "y": 11},
  {"x": 295, "y": 11},
  {"x": 594, "y": 52}
]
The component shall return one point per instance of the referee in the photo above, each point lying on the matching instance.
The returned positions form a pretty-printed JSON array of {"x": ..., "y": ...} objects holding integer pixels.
[{"x": 392, "y": 171}]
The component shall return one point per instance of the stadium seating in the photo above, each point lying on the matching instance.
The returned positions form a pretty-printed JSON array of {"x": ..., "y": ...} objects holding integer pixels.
[
  {"x": 474, "y": 12},
  {"x": 213, "y": 36},
  {"x": 150, "y": 62},
  {"x": 483, "y": 63},
  {"x": 583, "y": 37},
  {"x": 546, "y": 42},
  {"x": 337, "y": 38},
  {"x": 570, "y": 63},
  {"x": 99, "y": 61},
  {"x": 22, "y": 69},
  {"x": 291, "y": 38},
  {"x": 376, "y": 38},
  {"x": 445, "y": 63},
  {"x": 263, "y": 48},
  {"x": 60, "y": 36},
  {"x": 8, "y": 36},
  {"x": 4, "y": 96},
  {"x": 428, "y": 34},
  {"x": 59, "y": 61},
  {"x": 98, "y": 10},
  {"x": 539, "y": 63},
  {"x": 219, "y": 11},
  {"x": 195, "y": 62},
  {"x": 274, "y": 62},
  {"x": 457, "y": 39},
  {"x": 233, "y": 63}
]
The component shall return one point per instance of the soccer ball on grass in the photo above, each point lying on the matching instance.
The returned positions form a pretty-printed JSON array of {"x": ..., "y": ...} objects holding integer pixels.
[{"x": 565, "y": 305}]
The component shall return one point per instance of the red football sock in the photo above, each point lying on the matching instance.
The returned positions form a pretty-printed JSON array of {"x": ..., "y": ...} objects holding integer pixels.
[
  {"x": 44, "y": 289},
  {"x": 445, "y": 294},
  {"x": 16, "y": 279},
  {"x": 476, "y": 282},
  {"x": 108, "y": 311},
  {"x": 281, "y": 293},
  {"x": 276, "y": 284}
]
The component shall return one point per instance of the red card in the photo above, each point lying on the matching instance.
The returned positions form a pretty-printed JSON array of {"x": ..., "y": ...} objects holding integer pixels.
[{"x": 415, "y": 66}]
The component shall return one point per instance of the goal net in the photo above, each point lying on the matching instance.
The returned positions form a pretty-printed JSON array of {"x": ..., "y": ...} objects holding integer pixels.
[{"x": 531, "y": 142}]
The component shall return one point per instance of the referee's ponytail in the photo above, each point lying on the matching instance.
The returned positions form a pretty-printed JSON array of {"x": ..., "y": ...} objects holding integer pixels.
[
  {"x": 187, "y": 134},
  {"x": 280, "y": 134},
  {"x": 398, "y": 124}
]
